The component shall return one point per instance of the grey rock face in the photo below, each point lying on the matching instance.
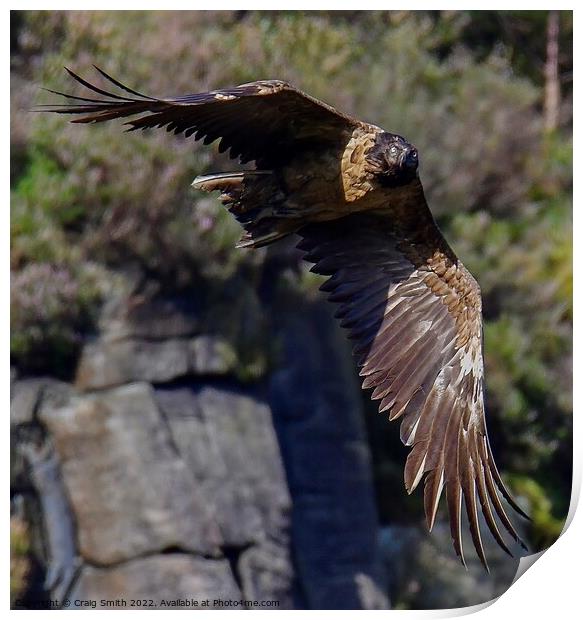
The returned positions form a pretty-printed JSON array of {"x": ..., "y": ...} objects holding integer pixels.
[
  {"x": 412, "y": 554},
  {"x": 131, "y": 492},
  {"x": 170, "y": 581},
  {"x": 108, "y": 363},
  {"x": 28, "y": 398},
  {"x": 211, "y": 355},
  {"x": 227, "y": 438},
  {"x": 24, "y": 398},
  {"x": 266, "y": 573},
  {"x": 327, "y": 461},
  {"x": 151, "y": 318},
  {"x": 59, "y": 526},
  {"x": 178, "y": 471}
]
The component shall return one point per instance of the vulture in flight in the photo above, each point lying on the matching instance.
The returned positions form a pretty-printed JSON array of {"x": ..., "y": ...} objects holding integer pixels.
[{"x": 352, "y": 192}]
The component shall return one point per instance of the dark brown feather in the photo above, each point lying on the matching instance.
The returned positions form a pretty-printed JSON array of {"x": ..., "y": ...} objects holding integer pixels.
[
  {"x": 415, "y": 314},
  {"x": 266, "y": 121}
]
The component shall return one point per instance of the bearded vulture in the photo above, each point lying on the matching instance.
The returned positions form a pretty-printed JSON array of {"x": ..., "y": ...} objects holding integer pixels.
[{"x": 352, "y": 193}]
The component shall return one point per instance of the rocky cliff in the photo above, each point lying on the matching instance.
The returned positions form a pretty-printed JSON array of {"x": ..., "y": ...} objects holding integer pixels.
[{"x": 188, "y": 463}]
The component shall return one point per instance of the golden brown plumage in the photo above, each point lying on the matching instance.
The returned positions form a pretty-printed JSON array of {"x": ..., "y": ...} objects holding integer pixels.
[{"x": 352, "y": 192}]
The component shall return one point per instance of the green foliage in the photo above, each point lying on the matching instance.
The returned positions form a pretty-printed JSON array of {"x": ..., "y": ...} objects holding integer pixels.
[
  {"x": 464, "y": 87},
  {"x": 545, "y": 528},
  {"x": 19, "y": 558},
  {"x": 50, "y": 310}
]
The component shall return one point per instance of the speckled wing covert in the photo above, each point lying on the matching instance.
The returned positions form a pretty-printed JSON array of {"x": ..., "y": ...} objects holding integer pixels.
[
  {"x": 266, "y": 121},
  {"x": 414, "y": 312}
]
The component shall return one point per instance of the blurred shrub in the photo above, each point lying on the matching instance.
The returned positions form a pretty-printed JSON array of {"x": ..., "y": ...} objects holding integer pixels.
[
  {"x": 50, "y": 310},
  {"x": 19, "y": 558}
]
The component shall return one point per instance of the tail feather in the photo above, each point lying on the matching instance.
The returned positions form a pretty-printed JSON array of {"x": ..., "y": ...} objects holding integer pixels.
[
  {"x": 254, "y": 198},
  {"x": 225, "y": 180}
]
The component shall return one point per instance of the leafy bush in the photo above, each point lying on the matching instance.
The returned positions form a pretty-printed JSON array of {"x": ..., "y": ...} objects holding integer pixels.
[
  {"x": 50, "y": 309},
  {"x": 19, "y": 558}
]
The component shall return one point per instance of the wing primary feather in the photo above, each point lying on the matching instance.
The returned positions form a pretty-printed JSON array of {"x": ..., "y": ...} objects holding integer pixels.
[
  {"x": 485, "y": 503},
  {"x": 122, "y": 86},
  {"x": 454, "y": 505},
  {"x": 415, "y": 466},
  {"x": 468, "y": 484},
  {"x": 95, "y": 88},
  {"x": 75, "y": 97},
  {"x": 440, "y": 403},
  {"x": 495, "y": 499},
  {"x": 499, "y": 482},
  {"x": 432, "y": 494},
  {"x": 452, "y": 482}
]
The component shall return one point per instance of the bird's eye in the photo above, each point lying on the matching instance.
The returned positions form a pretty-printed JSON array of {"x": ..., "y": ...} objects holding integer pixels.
[{"x": 393, "y": 150}]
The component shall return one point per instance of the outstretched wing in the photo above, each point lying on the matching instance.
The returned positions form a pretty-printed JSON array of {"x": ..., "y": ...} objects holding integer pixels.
[
  {"x": 267, "y": 121},
  {"x": 415, "y": 314}
]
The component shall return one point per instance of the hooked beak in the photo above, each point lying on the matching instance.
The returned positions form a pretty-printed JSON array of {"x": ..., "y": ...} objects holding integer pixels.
[{"x": 410, "y": 160}]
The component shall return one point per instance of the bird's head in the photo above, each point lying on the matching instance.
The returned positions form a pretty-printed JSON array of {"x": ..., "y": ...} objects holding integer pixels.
[{"x": 393, "y": 160}]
